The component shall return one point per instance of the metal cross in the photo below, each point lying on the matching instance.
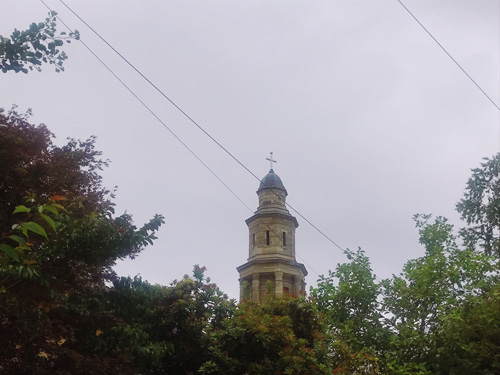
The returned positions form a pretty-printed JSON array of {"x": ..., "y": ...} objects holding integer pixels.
[{"x": 271, "y": 160}]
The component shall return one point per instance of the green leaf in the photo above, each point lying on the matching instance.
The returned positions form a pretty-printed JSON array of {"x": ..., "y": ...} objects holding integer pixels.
[
  {"x": 9, "y": 251},
  {"x": 56, "y": 205},
  {"x": 50, "y": 208},
  {"x": 34, "y": 227},
  {"x": 19, "y": 240},
  {"x": 49, "y": 220},
  {"x": 21, "y": 208}
]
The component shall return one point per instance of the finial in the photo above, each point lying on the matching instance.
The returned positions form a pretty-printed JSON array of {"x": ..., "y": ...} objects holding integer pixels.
[{"x": 271, "y": 160}]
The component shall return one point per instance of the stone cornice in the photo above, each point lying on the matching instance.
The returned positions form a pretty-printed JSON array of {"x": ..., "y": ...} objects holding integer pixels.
[
  {"x": 272, "y": 214},
  {"x": 289, "y": 262}
]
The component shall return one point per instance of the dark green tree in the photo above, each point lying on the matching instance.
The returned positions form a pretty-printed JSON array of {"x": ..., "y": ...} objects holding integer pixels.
[
  {"x": 467, "y": 339},
  {"x": 283, "y": 335},
  {"x": 59, "y": 241},
  {"x": 30, "y": 162},
  {"x": 147, "y": 329}
]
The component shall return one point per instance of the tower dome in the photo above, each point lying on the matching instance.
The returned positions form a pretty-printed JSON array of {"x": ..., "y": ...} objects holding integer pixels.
[{"x": 271, "y": 180}]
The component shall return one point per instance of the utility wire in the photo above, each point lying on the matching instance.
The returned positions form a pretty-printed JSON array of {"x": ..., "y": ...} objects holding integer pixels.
[
  {"x": 194, "y": 122},
  {"x": 166, "y": 126},
  {"x": 170, "y": 130},
  {"x": 151, "y": 111},
  {"x": 212, "y": 138},
  {"x": 161, "y": 92},
  {"x": 449, "y": 55}
]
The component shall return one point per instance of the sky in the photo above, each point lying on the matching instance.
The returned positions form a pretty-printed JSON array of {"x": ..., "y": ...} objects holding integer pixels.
[{"x": 369, "y": 120}]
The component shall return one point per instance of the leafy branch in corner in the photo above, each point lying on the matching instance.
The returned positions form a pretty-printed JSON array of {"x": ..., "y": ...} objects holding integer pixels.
[{"x": 27, "y": 50}]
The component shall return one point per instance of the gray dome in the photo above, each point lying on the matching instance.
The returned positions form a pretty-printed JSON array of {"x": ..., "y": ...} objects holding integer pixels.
[{"x": 271, "y": 180}]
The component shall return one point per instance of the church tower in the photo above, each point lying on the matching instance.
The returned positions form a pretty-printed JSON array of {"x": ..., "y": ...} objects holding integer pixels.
[{"x": 271, "y": 245}]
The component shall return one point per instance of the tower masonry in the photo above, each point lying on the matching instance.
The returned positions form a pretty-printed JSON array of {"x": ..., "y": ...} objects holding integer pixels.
[{"x": 271, "y": 247}]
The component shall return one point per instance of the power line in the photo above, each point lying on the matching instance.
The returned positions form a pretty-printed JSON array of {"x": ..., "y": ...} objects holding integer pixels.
[
  {"x": 194, "y": 122},
  {"x": 449, "y": 55},
  {"x": 171, "y": 131},
  {"x": 218, "y": 143},
  {"x": 151, "y": 112},
  {"x": 160, "y": 91},
  {"x": 166, "y": 126}
]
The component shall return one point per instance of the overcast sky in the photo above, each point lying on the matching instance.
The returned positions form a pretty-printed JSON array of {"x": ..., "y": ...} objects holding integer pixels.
[{"x": 369, "y": 120}]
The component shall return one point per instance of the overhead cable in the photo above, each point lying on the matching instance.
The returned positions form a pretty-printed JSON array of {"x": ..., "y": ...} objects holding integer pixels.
[
  {"x": 152, "y": 112},
  {"x": 449, "y": 55},
  {"x": 164, "y": 124},
  {"x": 193, "y": 121}
]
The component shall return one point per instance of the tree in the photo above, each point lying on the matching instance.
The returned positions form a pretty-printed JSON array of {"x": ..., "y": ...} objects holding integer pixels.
[
  {"x": 59, "y": 241},
  {"x": 146, "y": 328},
  {"x": 480, "y": 207},
  {"x": 283, "y": 335},
  {"x": 351, "y": 304},
  {"x": 30, "y": 162},
  {"x": 467, "y": 340},
  {"x": 174, "y": 324},
  {"x": 425, "y": 302},
  {"x": 28, "y": 49},
  {"x": 439, "y": 316}
]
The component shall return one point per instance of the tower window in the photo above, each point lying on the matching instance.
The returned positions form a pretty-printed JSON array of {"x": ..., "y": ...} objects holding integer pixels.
[
  {"x": 284, "y": 239},
  {"x": 253, "y": 240},
  {"x": 267, "y": 237}
]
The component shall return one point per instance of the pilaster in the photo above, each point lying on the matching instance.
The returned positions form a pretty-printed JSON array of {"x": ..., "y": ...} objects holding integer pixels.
[
  {"x": 256, "y": 287},
  {"x": 278, "y": 277}
]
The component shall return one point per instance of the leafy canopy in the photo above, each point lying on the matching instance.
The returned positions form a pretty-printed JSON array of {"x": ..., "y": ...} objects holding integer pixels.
[
  {"x": 438, "y": 316},
  {"x": 59, "y": 241}
]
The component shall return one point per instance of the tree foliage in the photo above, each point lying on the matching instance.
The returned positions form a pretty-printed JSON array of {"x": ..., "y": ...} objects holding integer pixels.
[
  {"x": 29, "y": 49},
  {"x": 430, "y": 290},
  {"x": 165, "y": 330},
  {"x": 348, "y": 297},
  {"x": 480, "y": 207},
  {"x": 283, "y": 335},
  {"x": 30, "y": 162},
  {"x": 59, "y": 241},
  {"x": 439, "y": 316}
]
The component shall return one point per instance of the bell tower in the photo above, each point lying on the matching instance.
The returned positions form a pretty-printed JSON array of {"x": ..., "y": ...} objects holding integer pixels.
[{"x": 271, "y": 245}]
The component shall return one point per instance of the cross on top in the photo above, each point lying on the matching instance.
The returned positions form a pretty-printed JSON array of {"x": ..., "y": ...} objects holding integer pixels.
[{"x": 271, "y": 160}]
